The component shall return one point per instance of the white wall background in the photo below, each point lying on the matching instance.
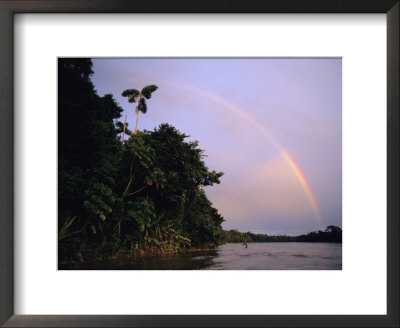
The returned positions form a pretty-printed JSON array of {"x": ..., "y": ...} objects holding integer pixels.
[{"x": 360, "y": 288}]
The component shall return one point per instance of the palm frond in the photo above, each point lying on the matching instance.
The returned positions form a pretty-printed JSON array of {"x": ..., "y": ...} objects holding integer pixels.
[
  {"x": 129, "y": 92},
  {"x": 142, "y": 106},
  {"x": 64, "y": 231},
  {"x": 148, "y": 90},
  {"x": 119, "y": 126},
  {"x": 132, "y": 95}
]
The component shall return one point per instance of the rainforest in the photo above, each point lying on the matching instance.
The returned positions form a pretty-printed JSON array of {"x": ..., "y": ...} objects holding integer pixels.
[
  {"x": 137, "y": 198},
  {"x": 122, "y": 193}
]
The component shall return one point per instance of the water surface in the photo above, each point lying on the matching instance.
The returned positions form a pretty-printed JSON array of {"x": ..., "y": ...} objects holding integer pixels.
[{"x": 258, "y": 256}]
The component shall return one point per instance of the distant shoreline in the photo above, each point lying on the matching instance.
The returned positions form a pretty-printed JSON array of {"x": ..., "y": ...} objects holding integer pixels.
[{"x": 330, "y": 234}]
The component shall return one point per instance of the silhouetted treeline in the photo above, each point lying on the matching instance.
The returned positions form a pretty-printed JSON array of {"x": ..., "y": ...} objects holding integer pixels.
[
  {"x": 234, "y": 236},
  {"x": 331, "y": 234},
  {"x": 121, "y": 198}
]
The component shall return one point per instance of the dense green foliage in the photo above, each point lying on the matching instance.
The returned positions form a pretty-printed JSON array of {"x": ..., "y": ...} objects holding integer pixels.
[
  {"x": 116, "y": 199},
  {"x": 331, "y": 234}
]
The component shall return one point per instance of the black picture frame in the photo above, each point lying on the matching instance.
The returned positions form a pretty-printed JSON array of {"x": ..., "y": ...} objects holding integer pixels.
[{"x": 10, "y": 7}]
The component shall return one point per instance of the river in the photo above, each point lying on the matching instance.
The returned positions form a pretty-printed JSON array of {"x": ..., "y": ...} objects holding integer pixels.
[{"x": 258, "y": 256}]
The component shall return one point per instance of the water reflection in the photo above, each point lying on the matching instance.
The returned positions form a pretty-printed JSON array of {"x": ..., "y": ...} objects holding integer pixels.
[
  {"x": 190, "y": 260},
  {"x": 258, "y": 256}
]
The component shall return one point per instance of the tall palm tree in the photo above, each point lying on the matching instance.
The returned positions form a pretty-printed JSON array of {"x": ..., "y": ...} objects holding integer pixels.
[{"x": 141, "y": 97}]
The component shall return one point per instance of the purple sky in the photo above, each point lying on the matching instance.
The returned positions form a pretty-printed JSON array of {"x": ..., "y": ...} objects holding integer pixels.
[{"x": 244, "y": 112}]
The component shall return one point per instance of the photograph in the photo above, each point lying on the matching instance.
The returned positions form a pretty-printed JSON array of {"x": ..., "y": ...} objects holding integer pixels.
[
  {"x": 199, "y": 163},
  {"x": 233, "y": 151}
]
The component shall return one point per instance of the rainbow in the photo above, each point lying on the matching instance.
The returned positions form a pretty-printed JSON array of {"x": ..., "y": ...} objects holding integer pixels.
[{"x": 243, "y": 114}]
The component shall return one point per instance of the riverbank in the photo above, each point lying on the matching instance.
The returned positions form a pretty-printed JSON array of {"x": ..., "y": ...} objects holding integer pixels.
[
  {"x": 330, "y": 234},
  {"x": 117, "y": 252},
  {"x": 123, "y": 255}
]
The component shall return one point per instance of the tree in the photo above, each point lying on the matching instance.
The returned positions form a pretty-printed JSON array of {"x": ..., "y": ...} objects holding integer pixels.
[
  {"x": 87, "y": 140},
  {"x": 333, "y": 229},
  {"x": 134, "y": 95},
  {"x": 88, "y": 167},
  {"x": 145, "y": 195}
]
